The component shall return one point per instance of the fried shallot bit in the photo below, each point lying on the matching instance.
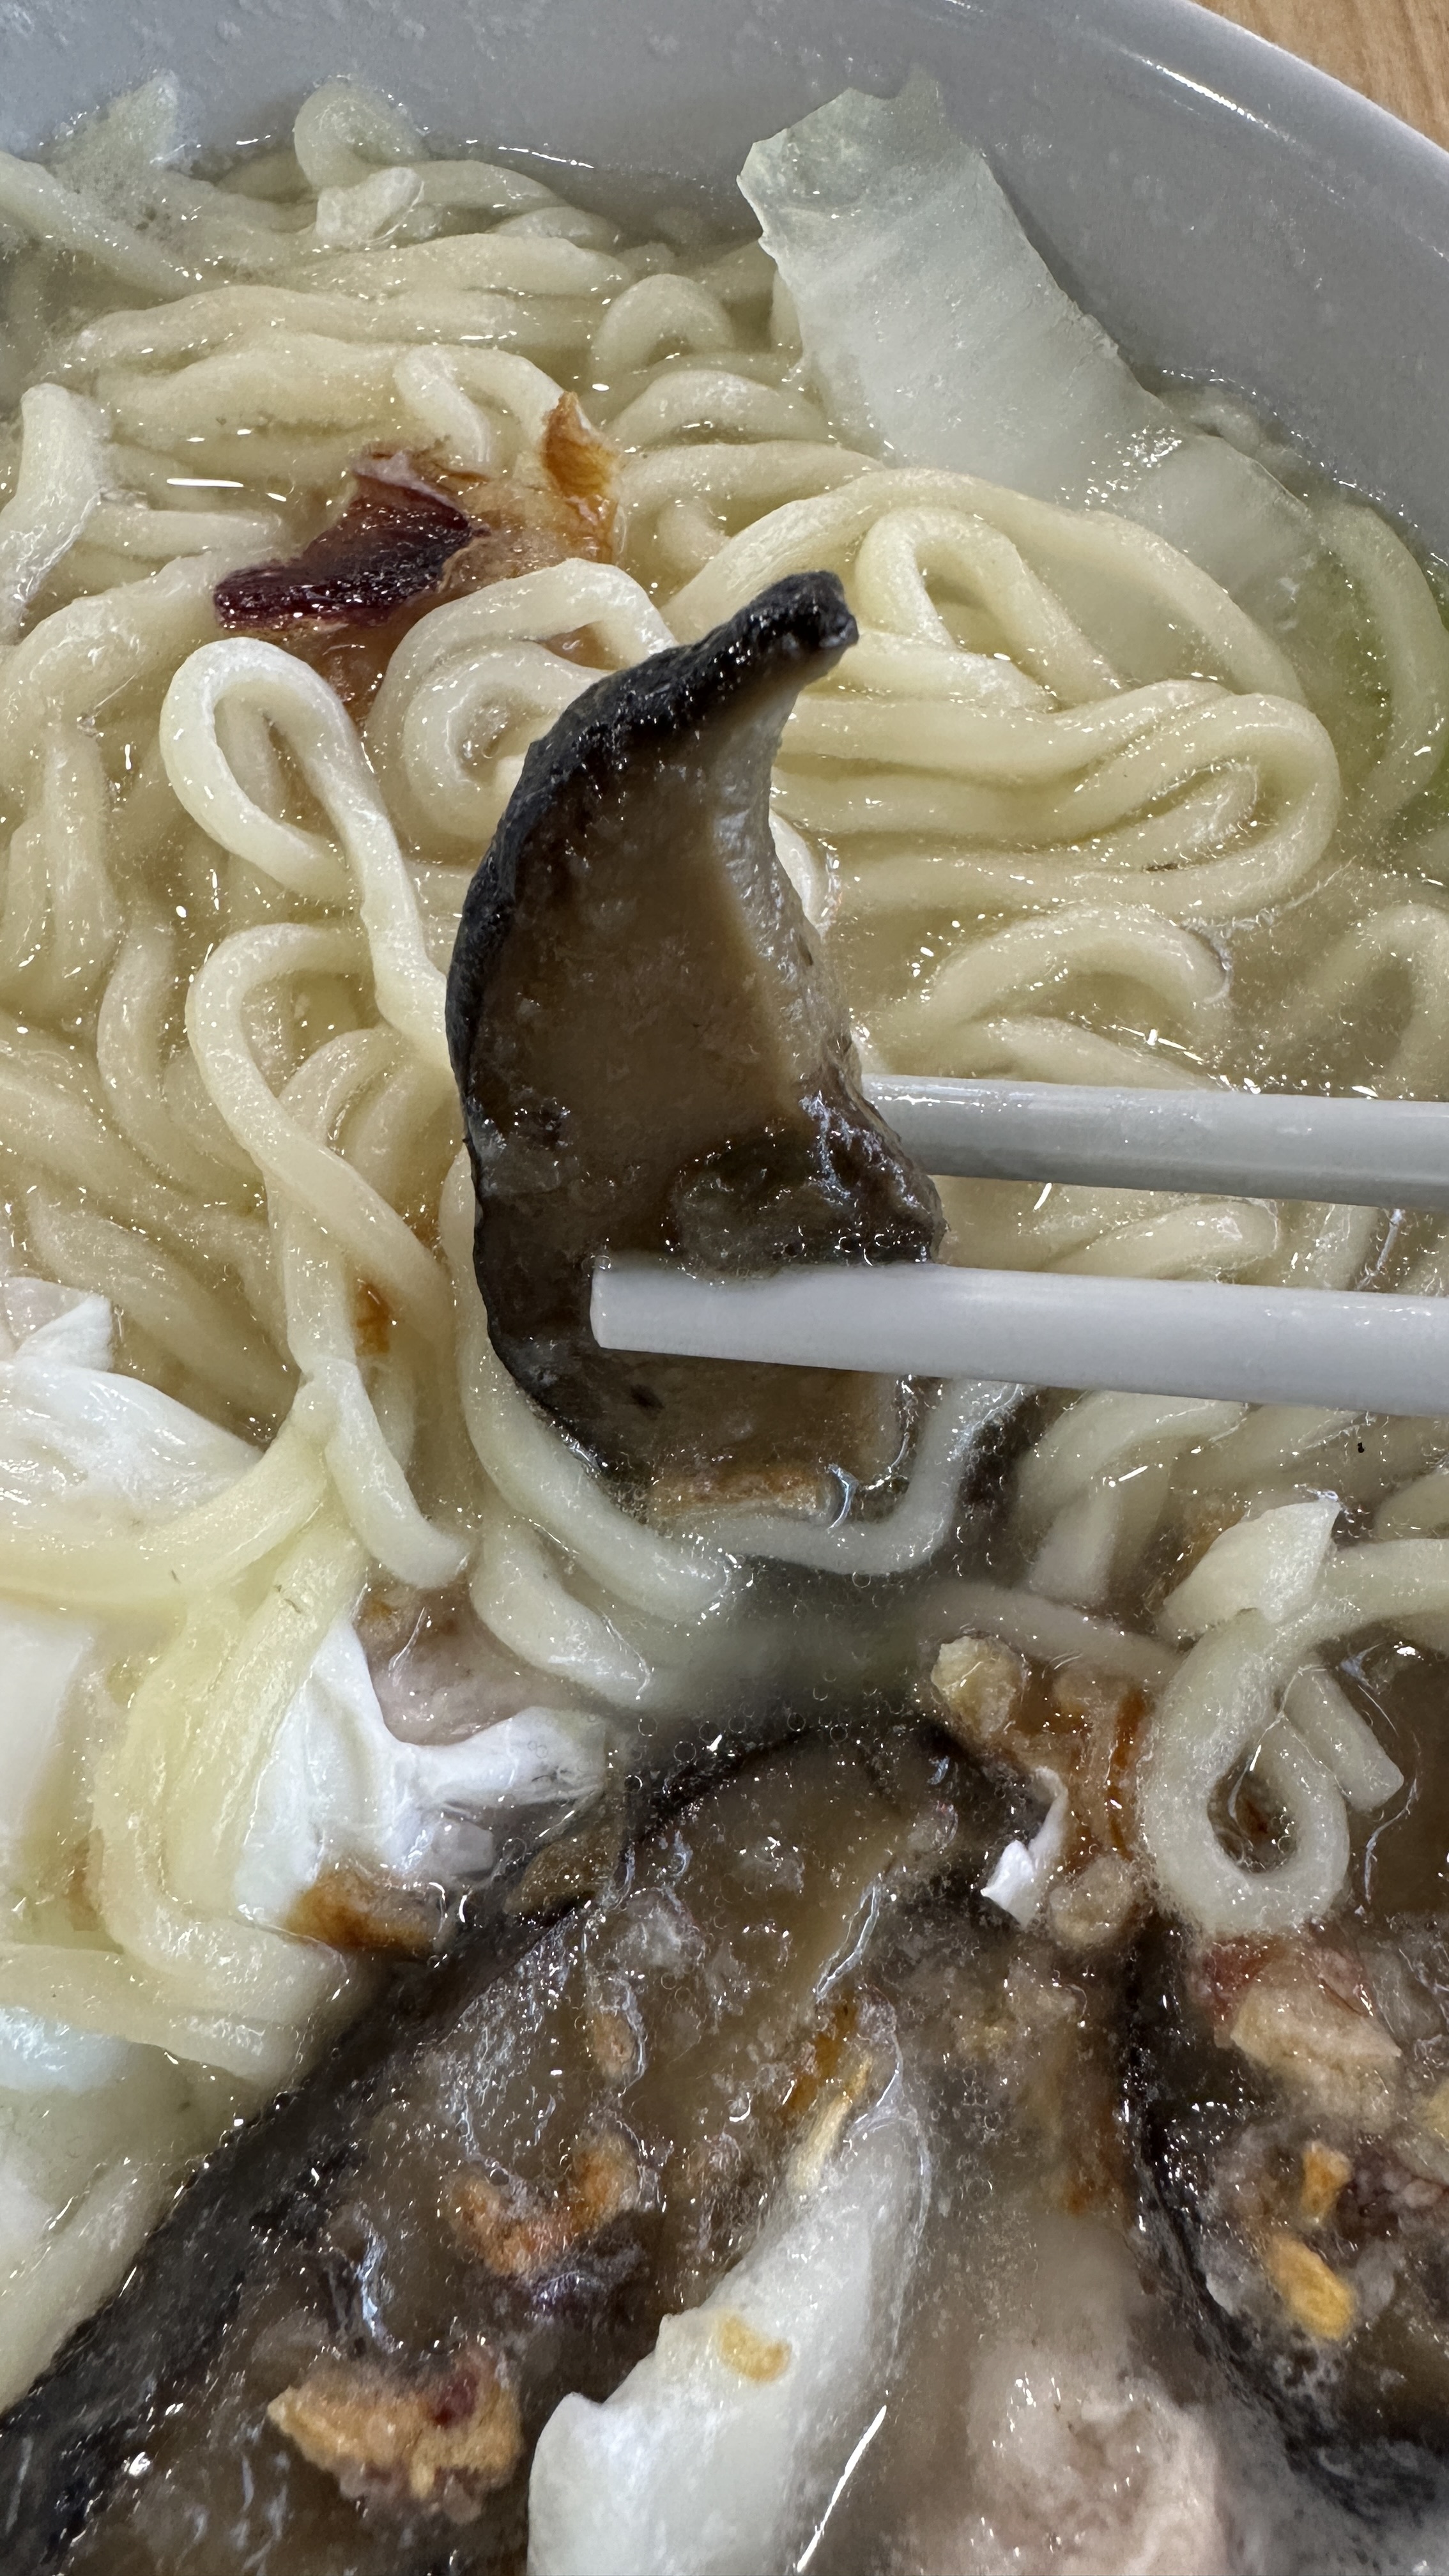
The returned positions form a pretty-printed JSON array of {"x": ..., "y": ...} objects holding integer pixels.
[
  {"x": 832, "y": 2054},
  {"x": 982, "y": 1687},
  {"x": 391, "y": 542},
  {"x": 1046, "y": 2043},
  {"x": 522, "y": 2237},
  {"x": 1084, "y": 1728},
  {"x": 652, "y": 1058},
  {"x": 749, "y": 2353},
  {"x": 1082, "y": 1724},
  {"x": 1304, "y": 2018},
  {"x": 1097, "y": 1905},
  {"x": 442, "y": 2438},
  {"x": 583, "y": 469},
  {"x": 1317, "y": 2298},
  {"x": 614, "y": 2037},
  {"x": 357, "y": 1909},
  {"x": 826, "y": 2123},
  {"x": 524, "y": 520},
  {"x": 1266, "y": 2101},
  {"x": 1325, "y": 2172}
]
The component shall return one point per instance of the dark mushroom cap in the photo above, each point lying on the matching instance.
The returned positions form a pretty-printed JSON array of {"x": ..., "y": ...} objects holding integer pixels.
[
  {"x": 653, "y": 1059},
  {"x": 1217, "y": 2143}
]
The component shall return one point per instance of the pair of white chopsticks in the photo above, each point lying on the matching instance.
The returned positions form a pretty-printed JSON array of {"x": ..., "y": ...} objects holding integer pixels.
[{"x": 1354, "y": 1352}]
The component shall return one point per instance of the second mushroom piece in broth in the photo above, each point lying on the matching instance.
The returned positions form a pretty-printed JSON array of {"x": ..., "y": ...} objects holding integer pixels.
[
  {"x": 390, "y": 2285},
  {"x": 653, "y": 1059}
]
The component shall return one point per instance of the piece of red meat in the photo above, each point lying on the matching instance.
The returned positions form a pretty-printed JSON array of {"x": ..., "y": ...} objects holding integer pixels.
[{"x": 390, "y": 544}]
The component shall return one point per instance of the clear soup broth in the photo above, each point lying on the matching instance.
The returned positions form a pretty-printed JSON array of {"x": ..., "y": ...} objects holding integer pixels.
[{"x": 989, "y": 2110}]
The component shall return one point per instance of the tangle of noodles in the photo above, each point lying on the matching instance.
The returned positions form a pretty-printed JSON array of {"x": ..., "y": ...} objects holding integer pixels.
[{"x": 225, "y": 1104}]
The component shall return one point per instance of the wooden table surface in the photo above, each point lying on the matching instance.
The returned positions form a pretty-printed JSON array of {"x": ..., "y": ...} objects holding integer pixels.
[{"x": 1397, "y": 51}]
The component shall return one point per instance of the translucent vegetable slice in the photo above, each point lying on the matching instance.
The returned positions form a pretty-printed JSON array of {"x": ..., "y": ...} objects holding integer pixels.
[
  {"x": 938, "y": 336},
  {"x": 717, "y": 2453}
]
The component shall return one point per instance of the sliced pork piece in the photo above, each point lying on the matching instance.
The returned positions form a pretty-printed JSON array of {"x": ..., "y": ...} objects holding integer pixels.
[
  {"x": 391, "y": 542},
  {"x": 408, "y": 538},
  {"x": 1061, "y": 2449},
  {"x": 652, "y": 1058}
]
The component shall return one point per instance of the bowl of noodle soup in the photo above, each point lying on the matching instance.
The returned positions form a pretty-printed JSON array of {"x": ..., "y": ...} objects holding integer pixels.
[{"x": 313, "y": 1617}]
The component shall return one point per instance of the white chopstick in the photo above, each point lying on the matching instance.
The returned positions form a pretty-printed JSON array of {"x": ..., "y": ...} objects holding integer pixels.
[
  {"x": 1276, "y": 1145},
  {"x": 1353, "y": 1352}
]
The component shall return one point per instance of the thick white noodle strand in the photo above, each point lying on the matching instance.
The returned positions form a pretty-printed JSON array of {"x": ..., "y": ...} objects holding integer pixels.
[
  {"x": 57, "y": 491},
  {"x": 317, "y": 730},
  {"x": 544, "y": 1480},
  {"x": 1216, "y": 1710},
  {"x": 346, "y": 1206}
]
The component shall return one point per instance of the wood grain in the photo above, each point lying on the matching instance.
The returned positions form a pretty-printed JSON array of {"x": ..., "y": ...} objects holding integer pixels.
[{"x": 1395, "y": 51}]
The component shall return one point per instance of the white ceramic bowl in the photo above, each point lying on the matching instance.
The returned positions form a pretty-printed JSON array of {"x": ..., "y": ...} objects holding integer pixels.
[{"x": 1222, "y": 208}]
